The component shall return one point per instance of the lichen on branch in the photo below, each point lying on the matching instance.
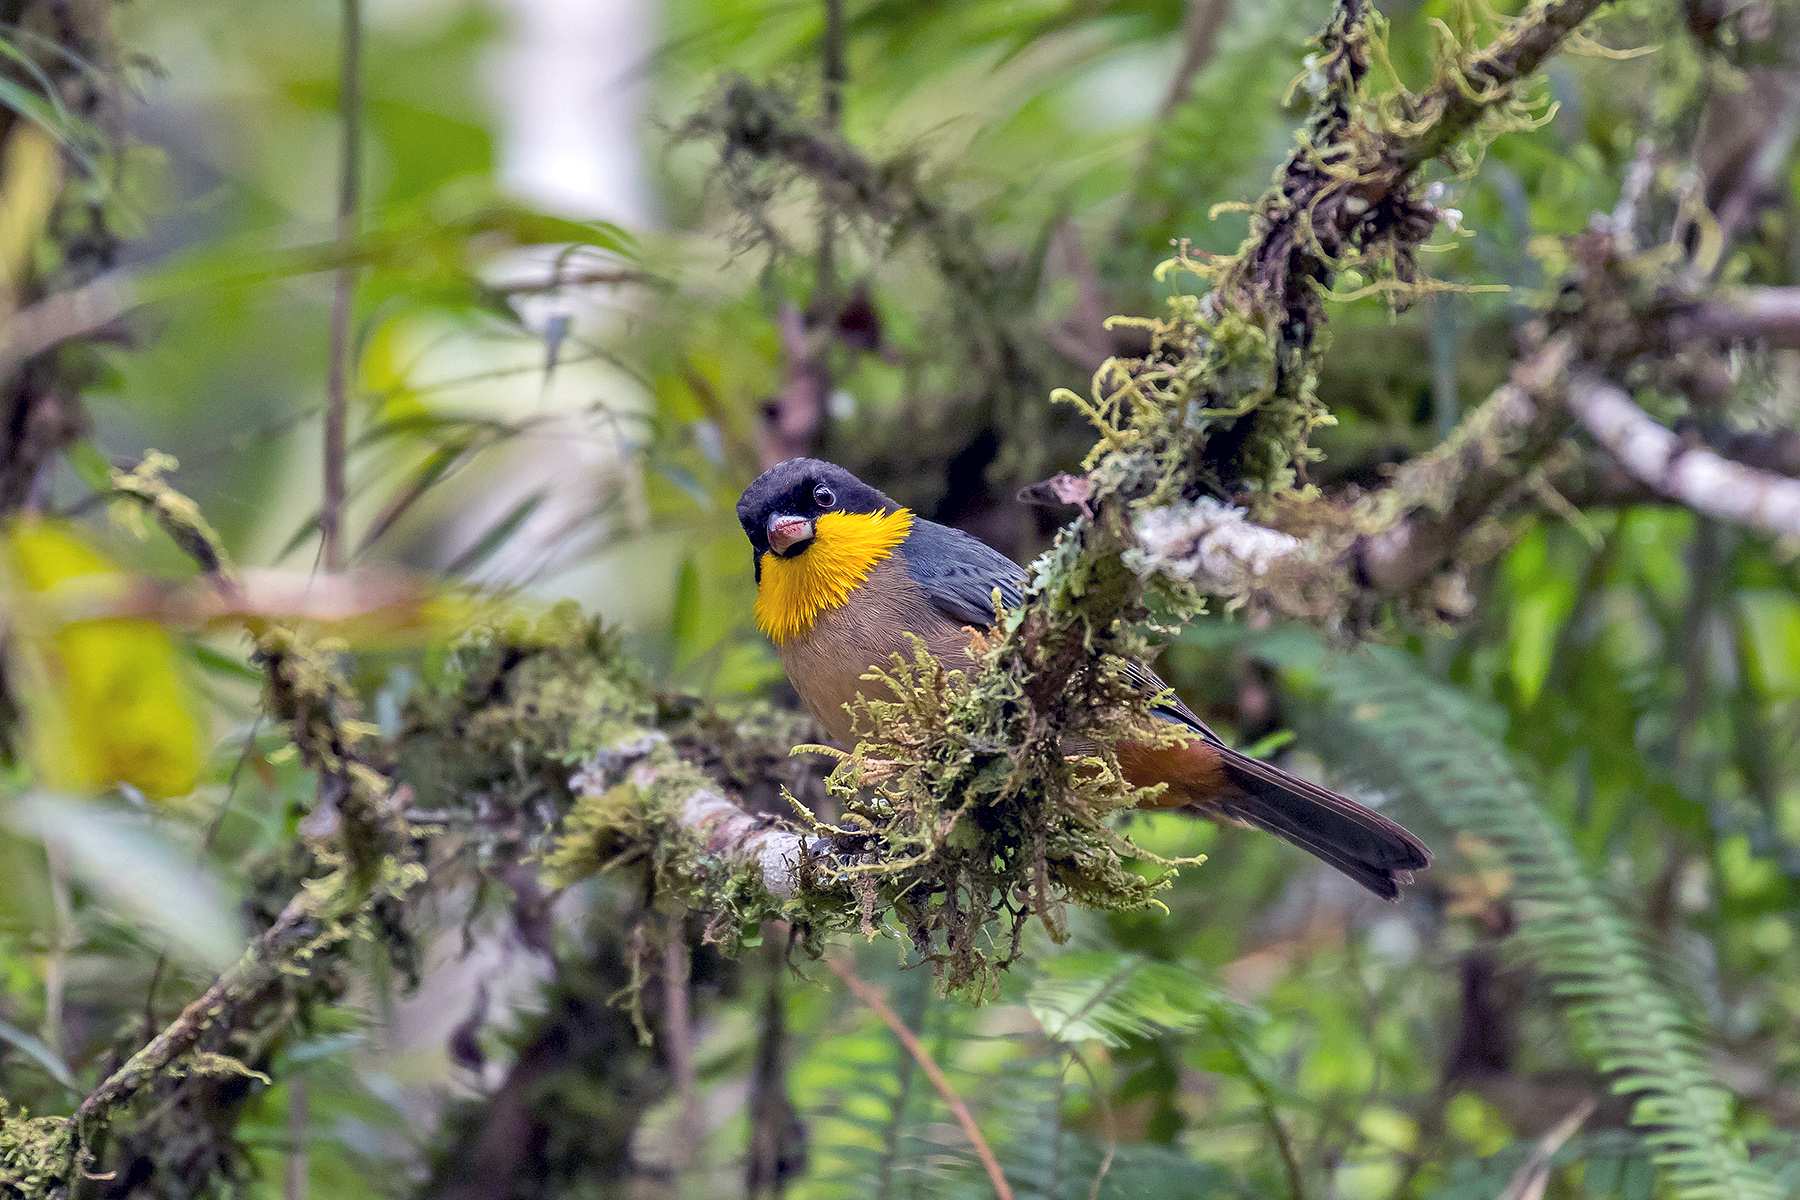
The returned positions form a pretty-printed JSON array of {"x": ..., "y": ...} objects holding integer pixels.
[
  {"x": 1225, "y": 399},
  {"x": 936, "y": 830}
]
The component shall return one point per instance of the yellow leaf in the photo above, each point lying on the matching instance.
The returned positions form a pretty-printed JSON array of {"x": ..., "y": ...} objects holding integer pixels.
[
  {"x": 105, "y": 700},
  {"x": 30, "y": 177}
]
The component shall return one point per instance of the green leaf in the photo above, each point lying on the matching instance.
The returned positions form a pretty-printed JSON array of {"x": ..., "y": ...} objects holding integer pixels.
[
  {"x": 89, "y": 465},
  {"x": 1116, "y": 998},
  {"x": 40, "y": 1054},
  {"x": 45, "y": 108},
  {"x": 491, "y": 541},
  {"x": 1771, "y": 620},
  {"x": 151, "y": 881},
  {"x": 437, "y": 465},
  {"x": 228, "y": 665},
  {"x": 686, "y": 629},
  {"x": 1269, "y": 743}
]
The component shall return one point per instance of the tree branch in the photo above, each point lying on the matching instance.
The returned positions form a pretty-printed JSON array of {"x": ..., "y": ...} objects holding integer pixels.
[
  {"x": 1441, "y": 495},
  {"x": 1684, "y": 471},
  {"x": 1769, "y": 314},
  {"x": 338, "y": 382},
  {"x": 1384, "y": 545},
  {"x": 297, "y": 933},
  {"x": 700, "y": 813},
  {"x": 1456, "y": 104}
]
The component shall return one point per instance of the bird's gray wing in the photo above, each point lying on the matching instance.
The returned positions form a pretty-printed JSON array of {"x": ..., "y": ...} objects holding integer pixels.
[{"x": 959, "y": 573}]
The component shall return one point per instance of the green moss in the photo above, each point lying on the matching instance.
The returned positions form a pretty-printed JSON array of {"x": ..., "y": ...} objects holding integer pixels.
[
  {"x": 947, "y": 827},
  {"x": 955, "y": 818},
  {"x": 34, "y": 1153}
]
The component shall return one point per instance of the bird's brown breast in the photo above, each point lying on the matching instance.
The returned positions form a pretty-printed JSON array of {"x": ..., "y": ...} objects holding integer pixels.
[{"x": 827, "y": 663}]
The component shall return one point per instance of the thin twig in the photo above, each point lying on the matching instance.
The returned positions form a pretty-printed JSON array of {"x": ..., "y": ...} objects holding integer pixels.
[
  {"x": 879, "y": 1006},
  {"x": 1693, "y": 645},
  {"x": 793, "y": 419},
  {"x": 57, "y": 961},
  {"x": 1108, "y": 1125},
  {"x": 605, "y": 276},
  {"x": 904, "y": 1072},
  {"x": 1762, "y": 181},
  {"x": 294, "y": 1183},
  {"x": 1268, "y": 1104},
  {"x": 1529, "y": 1180},
  {"x": 200, "y": 856},
  {"x": 270, "y": 954},
  {"x": 834, "y": 73},
  {"x": 1199, "y": 40},
  {"x": 337, "y": 384},
  {"x": 1470, "y": 93},
  {"x": 690, "y": 1129},
  {"x": 1770, "y": 314},
  {"x": 773, "y": 1146}
]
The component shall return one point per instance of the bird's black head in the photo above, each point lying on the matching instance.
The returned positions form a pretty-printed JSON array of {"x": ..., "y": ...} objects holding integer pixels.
[{"x": 778, "y": 511}]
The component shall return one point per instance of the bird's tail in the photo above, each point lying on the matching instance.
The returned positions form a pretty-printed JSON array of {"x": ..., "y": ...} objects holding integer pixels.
[{"x": 1357, "y": 840}]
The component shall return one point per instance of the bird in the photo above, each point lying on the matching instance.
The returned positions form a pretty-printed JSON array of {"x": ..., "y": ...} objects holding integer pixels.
[{"x": 844, "y": 573}]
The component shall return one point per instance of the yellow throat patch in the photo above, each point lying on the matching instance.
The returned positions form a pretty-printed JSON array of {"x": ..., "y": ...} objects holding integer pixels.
[{"x": 845, "y": 548}]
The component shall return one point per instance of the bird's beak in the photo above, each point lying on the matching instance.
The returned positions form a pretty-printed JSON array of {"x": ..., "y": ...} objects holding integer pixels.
[{"x": 786, "y": 532}]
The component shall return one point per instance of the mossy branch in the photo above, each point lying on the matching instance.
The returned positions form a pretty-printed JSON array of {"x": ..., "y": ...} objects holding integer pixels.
[
  {"x": 939, "y": 831},
  {"x": 1453, "y": 107},
  {"x": 1406, "y": 543},
  {"x": 361, "y": 863},
  {"x": 757, "y": 124},
  {"x": 1225, "y": 399},
  {"x": 363, "y": 872},
  {"x": 303, "y": 928},
  {"x": 962, "y": 792},
  {"x": 765, "y": 141}
]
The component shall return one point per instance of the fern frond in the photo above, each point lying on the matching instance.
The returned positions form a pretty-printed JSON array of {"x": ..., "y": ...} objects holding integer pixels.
[
  {"x": 1430, "y": 742},
  {"x": 1114, "y": 998}
]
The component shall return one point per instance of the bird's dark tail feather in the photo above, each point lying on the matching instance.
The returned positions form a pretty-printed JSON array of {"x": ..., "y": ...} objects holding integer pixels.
[{"x": 1358, "y": 841}]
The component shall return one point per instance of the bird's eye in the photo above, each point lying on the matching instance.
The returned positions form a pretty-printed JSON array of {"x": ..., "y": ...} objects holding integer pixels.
[{"x": 823, "y": 496}]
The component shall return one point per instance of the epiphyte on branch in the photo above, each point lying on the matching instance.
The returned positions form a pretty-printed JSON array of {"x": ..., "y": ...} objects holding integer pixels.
[{"x": 845, "y": 574}]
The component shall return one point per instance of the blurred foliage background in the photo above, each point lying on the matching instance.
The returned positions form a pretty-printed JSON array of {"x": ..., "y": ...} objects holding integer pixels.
[{"x": 588, "y": 305}]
